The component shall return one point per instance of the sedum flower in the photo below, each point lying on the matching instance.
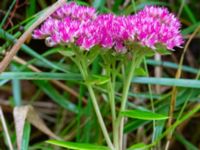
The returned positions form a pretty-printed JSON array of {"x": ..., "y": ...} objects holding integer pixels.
[
  {"x": 82, "y": 26},
  {"x": 156, "y": 25}
]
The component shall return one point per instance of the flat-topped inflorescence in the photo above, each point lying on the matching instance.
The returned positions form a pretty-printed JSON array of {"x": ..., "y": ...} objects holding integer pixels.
[
  {"x": 156, "y": 25},
  {"x": 82, "y": 26}
]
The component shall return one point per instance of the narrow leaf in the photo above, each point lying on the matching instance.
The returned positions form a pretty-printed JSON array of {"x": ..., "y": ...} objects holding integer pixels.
[
  {"x": 139, "y": 146},
  {"x": 26, "y": 136},
  {"x": 143, "y": 115},
  {"x": 168, "y": 82},
  {"x": 56, "y": 96},
  {"x": 40, "y": 76},
  {"x": 77, "y": 146},
  {"x": 98, "y": 79}
]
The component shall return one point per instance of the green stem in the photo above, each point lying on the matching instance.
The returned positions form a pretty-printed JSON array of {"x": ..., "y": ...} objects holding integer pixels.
[
  {"x": 99, "y": 116},
  {"x": 111, "y": 94},
  {"x": 110, "y": 68},
  {"x": 112, "y": 101},
  {"x": 136, "y": 60},
  {"x": 84, "y": 73}
]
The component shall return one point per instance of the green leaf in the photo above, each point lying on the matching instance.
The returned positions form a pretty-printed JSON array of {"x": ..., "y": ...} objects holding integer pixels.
[
  {"x": 16, "y": 88},
  {"x": 139, "y": 146},
  {"x": 56, "y": 96},
  {"x": 189, "y": 83},
  {"x": 77, "y": 146},
  {"x": 143, "y": 115},
  {"x": 67, "y": 53},
  {"x": 98, "y": 79},
  {"x": 40, "y": 76},
  {"x": 26, "y": 136},
  {"x": 140, "y": 72}
]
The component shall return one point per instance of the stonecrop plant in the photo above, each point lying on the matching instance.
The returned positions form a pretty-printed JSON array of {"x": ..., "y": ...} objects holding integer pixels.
[{"x": 122, "y": 42}]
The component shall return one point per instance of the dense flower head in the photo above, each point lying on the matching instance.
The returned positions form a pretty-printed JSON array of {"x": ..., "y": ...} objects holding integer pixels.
[
  {"x": 156, "y": 25},
  {"x": 82, "y": 26},
  {"x": 107, "y": 30}
]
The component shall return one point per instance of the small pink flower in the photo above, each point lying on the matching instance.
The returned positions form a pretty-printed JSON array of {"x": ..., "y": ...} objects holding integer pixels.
[
  {"x": 82, "y": 26},
  {"x": 156, "y": 25}
]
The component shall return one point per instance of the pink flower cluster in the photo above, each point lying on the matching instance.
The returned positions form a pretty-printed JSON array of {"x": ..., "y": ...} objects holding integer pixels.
[
  {"x": 82, "y": 26},
  {"x": 157, "y": 25}
]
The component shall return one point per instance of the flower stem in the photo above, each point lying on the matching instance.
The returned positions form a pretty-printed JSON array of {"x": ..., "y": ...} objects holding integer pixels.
[
  {"x": 99, "y": 116},
  {"x": 136, "y": 60},
  {"x": 110, "y": 66},
  {"x": 111, "y": 93},
  {"x": 84, "y": 73}
]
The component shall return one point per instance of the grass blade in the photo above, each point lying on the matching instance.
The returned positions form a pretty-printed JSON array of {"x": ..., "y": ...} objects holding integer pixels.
[
  {"x": 139, "y": 146},
  {"x": 56, "y": 97},
  {"x": 188, "y": 83},
  {"x": 40, "y": 76},
  {"x": 26, "y": 136},
  {"x": 7, "y": 13},
  {"x": 143, "y": 115},
  {"x": 168, "y": 82},
  {"x": 16, "y": 89},
  {"x": 77, "y": 146}
]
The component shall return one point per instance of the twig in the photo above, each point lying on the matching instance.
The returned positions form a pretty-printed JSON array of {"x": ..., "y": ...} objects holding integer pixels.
[
  {"x": 12, "y": 15},
  {"x": 17, "y": 16},
  {"x": 7, "y": 59}
]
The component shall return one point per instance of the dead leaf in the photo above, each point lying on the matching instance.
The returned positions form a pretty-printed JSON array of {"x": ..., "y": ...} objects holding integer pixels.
[{"x": 23, "y": 113}]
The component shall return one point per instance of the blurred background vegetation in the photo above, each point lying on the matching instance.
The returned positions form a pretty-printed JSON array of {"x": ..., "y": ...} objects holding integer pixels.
[{"x": 64, "y": 106}]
